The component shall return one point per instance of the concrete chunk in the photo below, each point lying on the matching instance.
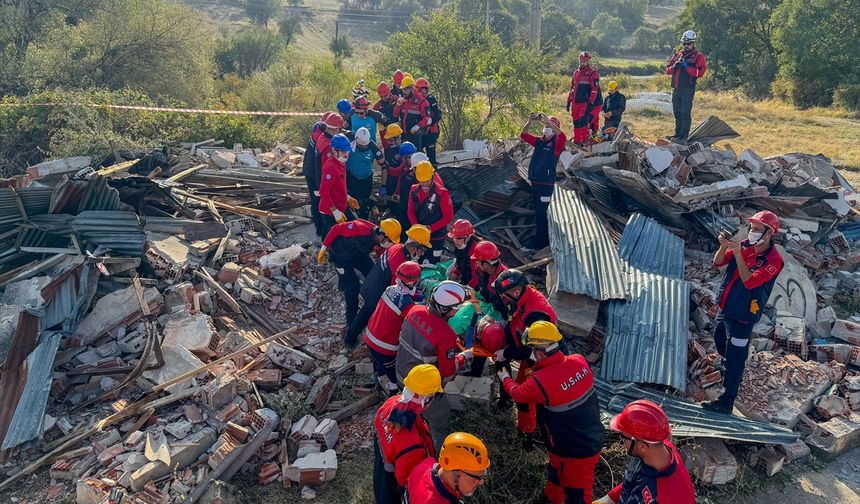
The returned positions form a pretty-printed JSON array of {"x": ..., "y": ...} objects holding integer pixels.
[
  {"x": 177, "y": 361},
  {"x": 314, "y": 468},
  {"x": 118, "y": 307},
  {"x": 835, "y": 436},
  {"x": 182, "y": 454},
  {"x": 196, "y": 332},
  {"x": 462, "y": 388},
  {"x": 710, "y": 461}
]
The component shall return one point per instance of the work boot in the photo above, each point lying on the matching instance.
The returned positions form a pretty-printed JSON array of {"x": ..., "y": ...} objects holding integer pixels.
[{"x": 716, "y": 406}]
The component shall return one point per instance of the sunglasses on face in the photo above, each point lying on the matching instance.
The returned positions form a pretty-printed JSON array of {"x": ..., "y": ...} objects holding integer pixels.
[
  {"x": 479, "y": 478},
  {"x": 685, "y": 44}
]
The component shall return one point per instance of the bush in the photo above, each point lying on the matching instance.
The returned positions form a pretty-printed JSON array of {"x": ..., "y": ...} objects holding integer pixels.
[
  {"x": 847, "y": 96},
  {"x": 250, "y": 52}
]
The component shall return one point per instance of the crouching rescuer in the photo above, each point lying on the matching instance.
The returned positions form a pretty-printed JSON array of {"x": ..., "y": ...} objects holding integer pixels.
[{"x": 568, "y": 414}]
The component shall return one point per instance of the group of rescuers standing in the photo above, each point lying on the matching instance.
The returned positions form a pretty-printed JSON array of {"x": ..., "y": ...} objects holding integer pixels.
[{"x": 416, "y": 352}]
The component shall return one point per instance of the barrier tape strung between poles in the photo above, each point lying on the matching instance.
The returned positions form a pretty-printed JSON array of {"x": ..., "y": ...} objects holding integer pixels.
[{"x": 168, "y": 109}]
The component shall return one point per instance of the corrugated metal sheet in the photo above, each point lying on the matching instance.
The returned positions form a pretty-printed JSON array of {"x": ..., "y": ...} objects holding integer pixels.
[
  {"x": 34, "y": 200},
  {"x": 121, "y": 232},
  {"x": 712, "y": 130},
  {"x": 29, "y": 418},
  {"x": 712, "y": 222},
  {"x": 688, "y": 419},
  {"x": 75, "y": 196},
  {"x": 588, "y": 262},
  {"x": 466, "y": 212},
  {"x": 652, "y": 247},
  {"x": 470, "y": 183}
]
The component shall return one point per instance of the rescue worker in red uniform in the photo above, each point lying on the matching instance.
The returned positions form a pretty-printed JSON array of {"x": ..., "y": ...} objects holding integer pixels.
[
  {"x": 430, "y": 204},
  {"x": 396, "y": 81},
  {"x": 406, "y": 180},
  {"x": 488, "y": 267},
  {"x": 525, "y": 305},
  {"x": 382, "y": 334},
  {"x": 568, "y": 412},
  {"x": 317, "y": 151},
  {"x": 686, "y": 67},
  {"x": 348, "y": 246},
  {"x": 426, "y": 338},
  {"x": 413, "y": 110},
  {"x": 402, "y": 438},
  {"x": 385, "y": 106},
  {"x": 382, "y": 274},
  {"x": 752, "y": 267},
  {"x": 584, "y": 87},
  {"x": 656, "y": 472},
  {"x": 431, "y": 136},
  {"x": 462, "y": 468},
  {"x": 463, "y": 270},
  {"x": 334, "y": 199},
  {"x": 542, "y": 171}
]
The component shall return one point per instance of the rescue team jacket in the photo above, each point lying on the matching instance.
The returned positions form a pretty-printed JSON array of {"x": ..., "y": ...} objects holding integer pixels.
[
  {"x": 643, "y": 484},
  {"x": 683, "y": 77},
  {"x": 392, "y": 160},
  {"x": 435, "y": 114},
  {"x": 531, "y": 307},
  {"x": 544, "y": 157},
  {"x": 615, "y": 103},
  {"x": 383, "y": 330},
  {"x": 404, "y": 448},
  {"x": 333, "y": 186},
  {"x": 413, "y": 111},
  {"x": 485, "y": 286},
  {"x": 426, "y": 338},
  {"x": 568, "y": 413},
  {"x": 425, "y": 486},
  {"x": 432, "y": 208},
  {"x": 382, "y": 274},
  {"x": 743, "y": 301},
  {"x": 348, "y": 240},
  {"x": 464, "y": 266},
  {"x": 584, "y": 86},
  {"x": 386, "y": 108}
]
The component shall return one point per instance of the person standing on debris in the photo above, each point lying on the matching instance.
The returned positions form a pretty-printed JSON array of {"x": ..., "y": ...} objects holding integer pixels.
[
  {"x": 348, "y": 246},
  {"x": 656, "y": 472},
  {"x": 382, "y": 275},
  {"x": 413, "y": 110},
  {"x": 542, "y": 170},
  {"x": 321, "y": 134},
  {"x": 426, "y": 338},
  {"x": 430, "y": 204},
  {"x": 385, "y": 106},
  {"x": 686, "y": 67},
  {"x": 382, "y": 334},
  {"x": 462, "y": 468},
  {"x": 568, "y": 412},
  {"x": 359, "y": 169},
  {"x": 432, "y": 135},
  {"x": 752, "y": 267},
  {"x": 613, "y": 106},
  {"x": 402, "y": 438},
  {"x": 488, "y": 267},
  {"x": 333, "y": 195},
  {"x": 463, "y": 270},
  {"x": 584, "y": 88},
  {"x": 525, "y": 305}
]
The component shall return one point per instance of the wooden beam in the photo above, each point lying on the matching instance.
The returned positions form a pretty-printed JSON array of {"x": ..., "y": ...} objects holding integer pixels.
[
  {"x": 125, "y": 165},
  {"x": 184, "y": 173},
  {"x": 230, "y": 300},
  {"x": 355, "y": 408}
]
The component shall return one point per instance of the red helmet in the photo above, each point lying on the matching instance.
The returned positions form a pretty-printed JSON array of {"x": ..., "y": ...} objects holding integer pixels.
[
  {"x": 554, "y": 120},
  {"x": 584, "y": 56},
  {"x": 767, "y": 218},
  {"x": 490, "y": 334},
  {"x": 422, "y": 83},
  {"x": 382, "y": 89},
  {"x": 409, "y": 272},
  {"x": 325, "y": 117},
  {"x": 643, "y": 420},
  {"x": 361, "y": 103},
  {"x": 485, "y": 251},
  {"x": 461, "y": 228},
  {"x": 334, "y": 120},
  {"x": 398, "y": 77}
]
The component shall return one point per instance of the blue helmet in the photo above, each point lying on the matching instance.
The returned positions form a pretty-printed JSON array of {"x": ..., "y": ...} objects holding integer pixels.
[
  {"x": 343, "y": 106},
  {"x": 407, "y": 149},
  {"x": 341, "y": 142}
]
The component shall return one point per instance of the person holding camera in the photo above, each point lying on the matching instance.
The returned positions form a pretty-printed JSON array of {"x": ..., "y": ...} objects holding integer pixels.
[
  {"x": 548, "y": 148},
  {"x": 685, "y": 67}
]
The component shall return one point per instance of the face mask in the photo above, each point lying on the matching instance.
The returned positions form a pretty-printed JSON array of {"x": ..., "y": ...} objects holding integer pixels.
[
  {"x": 462, "y": 245},
  {"x": 343, "y": 159},
  {"x": 547, "y": 132},
  {"x": 386, "y": 244},
  {"x": 411, "y": 397},
  {"x": 754, "y": 237}
]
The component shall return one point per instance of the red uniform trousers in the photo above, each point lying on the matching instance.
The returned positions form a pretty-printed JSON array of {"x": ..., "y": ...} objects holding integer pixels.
[
  {"x": 580, "y": 121},
  {"x": 570, "y": 480},
  {"x": 595, "y": 119},
  {"x": 526, "y": 412}
]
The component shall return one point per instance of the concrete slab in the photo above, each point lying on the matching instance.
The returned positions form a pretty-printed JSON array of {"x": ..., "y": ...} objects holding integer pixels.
[
  {"x": 118, "y": 307},
  {"x": 182, "y": 454},
  {"x": 709, "y": 461},
  {"x": 314, "y": 468},
  {"x": 196, "y": 332},
  {"x": 177, "y": 361},
  {"x": 794, "y": 292},
  {"x": 463, "y": 389},
  {"x": 835, "y": 436}
]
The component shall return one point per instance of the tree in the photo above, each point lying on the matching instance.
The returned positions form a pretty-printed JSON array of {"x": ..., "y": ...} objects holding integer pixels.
[
  {"x": 607, "y": 31},
  {"x": 817, "y": 48},
  {"x": 558, "y": 31},
  {"x": 251, "y": 51},
  {"x": 156, "y": 46},
  {"x": 261, "y": 11},
  {"x": 631, "y": 13},
  {"x": 341, "y": 47},
  {"x": 290, "y": 27},
  {"x": 465, "y": 65}
]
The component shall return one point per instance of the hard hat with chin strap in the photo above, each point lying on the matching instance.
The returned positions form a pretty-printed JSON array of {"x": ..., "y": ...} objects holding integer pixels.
[
  {"x": 643, "y": 420},
  {"x": 419, "y": 233},
  {"x": 461, "y": 228},
  {"x": 688, "y": 36},
  {"x": 408, "y": 272},
  {"x": 392, "y": 229},
  {"x": 424, "y": 379}
]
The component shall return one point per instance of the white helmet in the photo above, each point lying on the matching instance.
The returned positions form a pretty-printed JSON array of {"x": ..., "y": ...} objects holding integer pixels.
[
  {"x": 362, "y": 136},
  {"x": 448, "y": 294},
  {"x": 417, "y": 158},
  {"x": 688, "y": 36}
]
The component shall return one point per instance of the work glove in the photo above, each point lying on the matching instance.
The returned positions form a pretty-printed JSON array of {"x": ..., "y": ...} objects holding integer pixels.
[
  {"x": 352, "y": 203},
  {"x": 685, "y": 64},
  {"x": 317, "y": 194},
  {"x": 414, "y": 129},
  {"x": 338, "y": 216},
  {"x": 467, "y": 356},
  {"x": 604, "y": 500},
  {"x": 401, "y": 100},
  {"x": 677, "y": 64},
  {"x": 383, "y": 192},
  {"x": 499, "y": 355},
  {"x": 502, "y": 374},
  {"x": 322, "y": 256}
]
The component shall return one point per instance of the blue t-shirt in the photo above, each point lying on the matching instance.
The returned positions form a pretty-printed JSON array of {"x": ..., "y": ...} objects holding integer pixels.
[
  {"x": 366, "y": 122},
  {"x": 360, "y": 162}
]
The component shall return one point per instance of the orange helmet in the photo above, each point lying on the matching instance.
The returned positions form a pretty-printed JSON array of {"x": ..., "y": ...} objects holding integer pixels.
[
  {"x": 485, "y": 251},
  {"x": 644, "y": 421},
  {"x": 422, "y": 83},
  {"x": 463, "y": 452},
  {"x": 461, "y": 228}
]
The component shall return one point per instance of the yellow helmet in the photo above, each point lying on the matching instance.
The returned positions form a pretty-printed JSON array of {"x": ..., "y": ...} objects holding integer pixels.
[
  {"x": 424, "y": 171},
  {"x": 419, "y": 233},
  {"x": 463, "y": 452},
  {"x": 613, "y": 85},
  {"x": 392, "y": 229},
  {"x": 542, "y": 333},
  {"x": 424, "y": 379},
  {"x": 407, "y": 81},
  {"x": 393, "y": 130},
  {"x": 407, "y": 74}
]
